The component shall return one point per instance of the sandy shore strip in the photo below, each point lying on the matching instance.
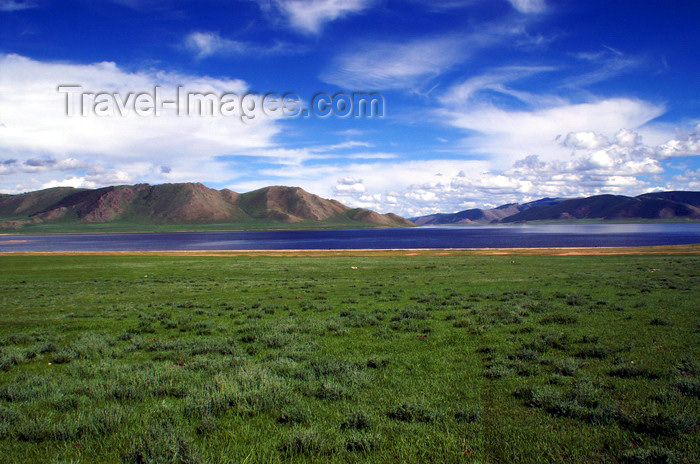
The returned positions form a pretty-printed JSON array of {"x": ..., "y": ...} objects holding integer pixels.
[{"x": 574, "y": 251}]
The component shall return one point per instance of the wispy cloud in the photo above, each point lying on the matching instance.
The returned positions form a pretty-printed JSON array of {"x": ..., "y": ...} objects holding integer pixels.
[
  {"x": 529, "y": 6},
  {"x": 601, "y": 66},
  {"x": 205, "y": 43},
  {"x": 14, "y": 5},
  {"x": 495, "y": 81},
  {"x": 445, "y": 5},
  {"x": 408, "y": 64},
  {"x": 309, "y": 16},
  {"x": 395, "y": 65}
]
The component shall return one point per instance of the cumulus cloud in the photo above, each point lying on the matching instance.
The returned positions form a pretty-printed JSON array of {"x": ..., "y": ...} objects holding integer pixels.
[
  {"x": 509, "y": 133},
  {"x": 585, "y": 140},
  {"x": 349, "y": 185},
  {"x": 75, "y": 182},
  {"x": 684, "y": 145},
  {"x": 689, "y": 180},
  {"x": 35, "y": 125},
  {"x": 594, "y": 163}
]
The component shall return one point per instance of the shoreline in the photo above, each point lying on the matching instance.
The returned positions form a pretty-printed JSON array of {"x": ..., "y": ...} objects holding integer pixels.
[
  {"x": 692, "y": 249},
  {"x": 19, "y": 232}
]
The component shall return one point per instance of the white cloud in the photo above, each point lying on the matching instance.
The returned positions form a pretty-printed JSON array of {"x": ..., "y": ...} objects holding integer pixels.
[
  {"x": 75, "y": 182},
  {"x": 206, "y": 43},
  {"x": 585, "y": 140},
  {"x": 509, "y": 135},
  {"x": 35, "y": 125},
  {"x": 394, "y": 65},
  {"x": 684, "y": 145},
  {"x": 689, "y": 180},
  {"x": 309, "y": 16},
  {"x": 477, "y": 87},
  {"x": 14, "y": 5},
  {"x": 600, "y": 66},
  {"x": 408, "y": 64},
  {"x": 347, "y": 185},
  {"x": 529, "y": 6},
  {"x": 371, "y": 155},
  {"x": 593, "y": 164}
]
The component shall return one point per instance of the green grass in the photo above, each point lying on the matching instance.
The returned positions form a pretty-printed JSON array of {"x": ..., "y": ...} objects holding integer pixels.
[
  {"x": 247, "y": 359},
  {"x": 69, "y": 227}
]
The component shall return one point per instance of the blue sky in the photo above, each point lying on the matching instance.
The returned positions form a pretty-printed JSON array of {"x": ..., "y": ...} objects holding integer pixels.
[{"x": 486, "y": 101}]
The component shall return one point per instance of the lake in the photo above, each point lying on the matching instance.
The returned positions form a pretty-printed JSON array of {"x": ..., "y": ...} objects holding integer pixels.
[{"x": 520, "y": 236}]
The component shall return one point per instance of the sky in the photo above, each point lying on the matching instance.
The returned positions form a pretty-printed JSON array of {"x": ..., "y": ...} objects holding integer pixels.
[{"x": 485, "y": 102}]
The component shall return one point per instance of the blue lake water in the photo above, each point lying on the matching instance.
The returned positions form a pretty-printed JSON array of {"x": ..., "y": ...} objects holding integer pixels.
[{"x": 522, "y": 236}]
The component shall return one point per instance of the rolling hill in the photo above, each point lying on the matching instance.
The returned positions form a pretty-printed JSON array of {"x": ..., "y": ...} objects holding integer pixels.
[
  {"x": 188, "y": 204},
  {"x": 656, "y": 206}
]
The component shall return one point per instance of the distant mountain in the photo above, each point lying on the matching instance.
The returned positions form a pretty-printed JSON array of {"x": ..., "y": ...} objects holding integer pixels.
[
  {"x": 662, "y": 206},
  {"x": 190, "y": 203},
  {"x": 650, "y": 206},
  {"x": 483, "y": 216}
]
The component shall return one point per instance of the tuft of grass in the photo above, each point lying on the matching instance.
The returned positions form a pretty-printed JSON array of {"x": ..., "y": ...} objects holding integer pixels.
[
  {"x": 8, "y": 418},
  {"x": 630, "y": 371},
  {"x": 566, "y": 367},
  {"x": 35, "y": 429},
  {"x": 650, "y": 455},
  {"x": 207, "y": 425},
  {"x": 661, "y": 422},
  {"x": 331, "y": 391},
  {"x": 63, "y": 355},
  {"x": 688, "y": 386},
  {"x": 546, "y": 341},
  {"x": 413, "y": 412},
  {"x": 594, "y": 352},
  {"x": 357, "y": 420},
  {"x": 362, "y": 442},
  {"x": 294, "y": 414},
  {"x": 10, "y": 357},
  {"x": 687, "y": 367},
  {"x": 659, "y": 321},
  {"x": 468, "y": 414},
  {"x": 498, "y": 370},
  {"x": 162, "y": 441},
  {"x": 563, "y": 319},
  {"x": 304, "y": 442},
  {"x": 582, "y": 401}
]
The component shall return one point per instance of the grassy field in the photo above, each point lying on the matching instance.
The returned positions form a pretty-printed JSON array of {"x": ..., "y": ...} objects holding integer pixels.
[
  {"x": 259, "y": 225},
  {"x": 375, "y": 358}
]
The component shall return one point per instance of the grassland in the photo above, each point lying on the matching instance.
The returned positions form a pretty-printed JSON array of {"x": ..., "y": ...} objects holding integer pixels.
[
  {"x": 359, "y": 357},
  {"x": 259, "y": 225}
]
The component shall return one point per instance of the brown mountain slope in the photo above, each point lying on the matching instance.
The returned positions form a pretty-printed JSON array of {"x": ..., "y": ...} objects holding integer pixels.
[
  {"x": 289, "y": 204},
  {"x": 366, "y": 215},
  {"x": 190, "y": 203},
  {"x": 28, "y": 204}
]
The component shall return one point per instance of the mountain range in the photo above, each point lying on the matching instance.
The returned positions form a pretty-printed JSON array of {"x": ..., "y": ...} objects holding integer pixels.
[
  {"x": 183, "y": 204},
  {"x": 195, "y": 206},
  {"x": 659, "y": 206}
]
